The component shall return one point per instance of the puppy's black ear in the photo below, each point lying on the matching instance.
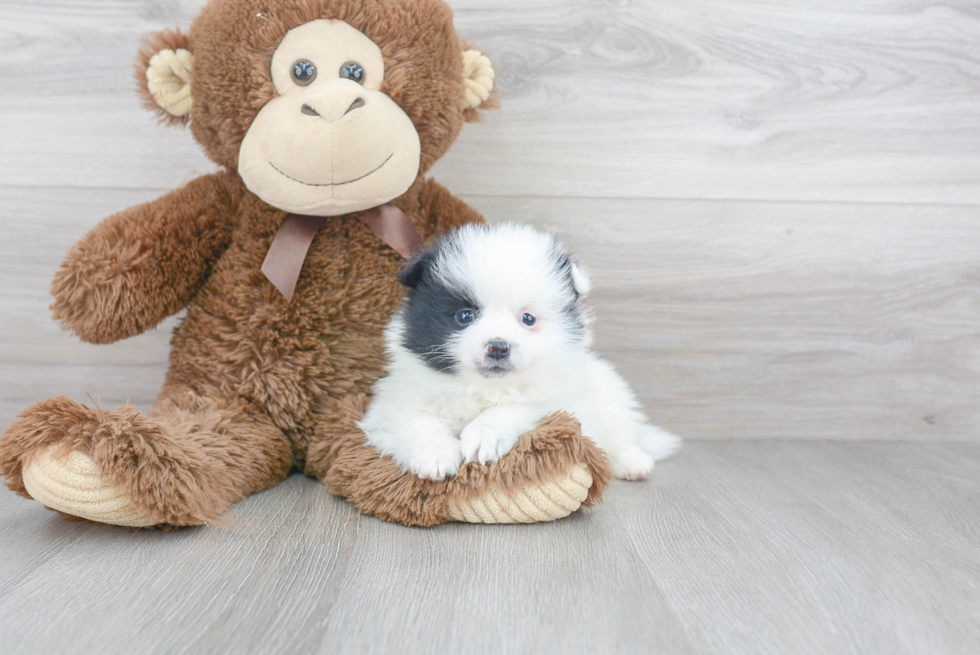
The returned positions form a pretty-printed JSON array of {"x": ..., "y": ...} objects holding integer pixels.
[{"x": 415, "y": 270}]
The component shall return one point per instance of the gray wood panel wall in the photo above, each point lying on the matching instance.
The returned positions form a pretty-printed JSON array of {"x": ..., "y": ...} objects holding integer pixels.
[{"x": 778, "y": 198}]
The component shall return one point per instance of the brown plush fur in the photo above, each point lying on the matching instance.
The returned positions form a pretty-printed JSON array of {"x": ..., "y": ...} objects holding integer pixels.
[{"x": 258, "y": 385}]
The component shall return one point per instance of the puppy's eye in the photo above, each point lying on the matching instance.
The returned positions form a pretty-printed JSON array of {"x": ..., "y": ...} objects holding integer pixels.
[
  {"x": 465, "y": 316},
  {"x": 528, "y": 320},
  {"x": 352, "y": 71},
  {"x": 304, "y": 72}
]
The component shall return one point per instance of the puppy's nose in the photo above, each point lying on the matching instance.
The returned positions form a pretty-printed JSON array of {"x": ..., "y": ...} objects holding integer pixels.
[{"x": 498, "y": 349}]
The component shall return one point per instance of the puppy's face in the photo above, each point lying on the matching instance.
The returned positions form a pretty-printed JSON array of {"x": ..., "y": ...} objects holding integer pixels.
[{"x": 494, "y": 303}]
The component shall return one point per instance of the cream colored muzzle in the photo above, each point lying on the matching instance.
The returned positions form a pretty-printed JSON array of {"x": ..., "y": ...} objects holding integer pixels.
[{"x": 334, "y": 149}]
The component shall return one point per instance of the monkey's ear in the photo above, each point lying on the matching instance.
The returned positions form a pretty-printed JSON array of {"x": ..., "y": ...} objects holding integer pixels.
[
  {"x": 478, "y": 76},
  {"x": 163, "y": 75},
  {"x": 415, "y": 270}
]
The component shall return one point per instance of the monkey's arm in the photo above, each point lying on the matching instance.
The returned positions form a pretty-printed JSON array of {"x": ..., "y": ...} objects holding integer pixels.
[
  {"x": 446, "y": 211},
  {"x": 143, "y": 264}
]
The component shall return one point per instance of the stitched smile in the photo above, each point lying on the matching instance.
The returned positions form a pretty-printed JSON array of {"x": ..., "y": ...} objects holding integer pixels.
[{"x": 356, "y": 179}]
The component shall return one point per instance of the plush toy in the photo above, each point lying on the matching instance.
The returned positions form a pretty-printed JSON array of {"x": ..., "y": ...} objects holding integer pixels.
[{"x": 324, "y": 116}]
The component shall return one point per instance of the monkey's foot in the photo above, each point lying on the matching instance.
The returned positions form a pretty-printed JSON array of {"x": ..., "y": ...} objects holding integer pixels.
[
  {"x": 551, "y": 472},
  {"x": 546, "y": 501},
  {"x": 119, "y": 467},
  {"x": 72, "y": 485}
]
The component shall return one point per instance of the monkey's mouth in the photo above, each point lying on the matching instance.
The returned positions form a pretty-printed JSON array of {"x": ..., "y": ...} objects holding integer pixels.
[{"x": 356, "y": 179}]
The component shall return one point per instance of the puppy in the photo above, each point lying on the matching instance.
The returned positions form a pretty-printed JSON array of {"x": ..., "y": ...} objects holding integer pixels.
[{"x": 492, "y": 337}]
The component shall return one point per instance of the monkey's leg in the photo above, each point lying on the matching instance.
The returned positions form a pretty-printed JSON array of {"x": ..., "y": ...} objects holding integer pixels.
[
  {"x": 184, "y": 463},
  {"x": 551, "y": 472}
]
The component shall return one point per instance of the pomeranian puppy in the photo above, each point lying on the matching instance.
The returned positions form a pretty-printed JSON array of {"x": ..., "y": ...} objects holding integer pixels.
[{"x": 493, "y": 336}]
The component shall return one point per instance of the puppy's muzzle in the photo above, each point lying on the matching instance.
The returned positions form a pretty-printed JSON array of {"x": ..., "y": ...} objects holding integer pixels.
[{"x": 498, "y": 350}]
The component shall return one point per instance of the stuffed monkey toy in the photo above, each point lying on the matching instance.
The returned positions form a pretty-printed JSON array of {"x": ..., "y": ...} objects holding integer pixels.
[{"x": 323, "y": 116}]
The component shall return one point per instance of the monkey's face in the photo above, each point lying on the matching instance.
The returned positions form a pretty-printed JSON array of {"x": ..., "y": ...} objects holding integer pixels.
[
  {"x": 324, "y": 108},
  {"x": 331, "y": 142}
]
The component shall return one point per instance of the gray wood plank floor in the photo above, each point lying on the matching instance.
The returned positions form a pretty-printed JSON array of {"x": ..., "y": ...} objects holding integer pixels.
[{"x": 732, "y": 547}]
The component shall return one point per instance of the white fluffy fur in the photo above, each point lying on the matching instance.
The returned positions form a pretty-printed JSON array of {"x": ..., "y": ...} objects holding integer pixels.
[{"x": 430, "y": 422}]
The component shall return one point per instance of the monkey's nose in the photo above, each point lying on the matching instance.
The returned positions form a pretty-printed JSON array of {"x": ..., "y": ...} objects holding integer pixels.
[
  {"x": 358, "y": 102},
  {"x": 308, "y": 109},
  {"x": 498, "y": 349}
]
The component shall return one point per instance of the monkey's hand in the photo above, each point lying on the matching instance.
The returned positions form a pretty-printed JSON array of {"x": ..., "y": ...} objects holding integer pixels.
[{"x": 143, "y": 264}]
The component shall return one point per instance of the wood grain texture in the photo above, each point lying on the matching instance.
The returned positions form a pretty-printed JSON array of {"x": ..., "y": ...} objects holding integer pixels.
[
  {"x": 778, "y": 320},
  {"x": 759, "y": 99},
  {"x": 732, "y": 547},
  {"x": 763, "y": 99}
]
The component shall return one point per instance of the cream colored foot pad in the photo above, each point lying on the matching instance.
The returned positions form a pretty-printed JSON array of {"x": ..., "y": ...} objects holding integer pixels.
[
  {"x": 546, "y": 502},
  {"x": 72, "y": 485}
]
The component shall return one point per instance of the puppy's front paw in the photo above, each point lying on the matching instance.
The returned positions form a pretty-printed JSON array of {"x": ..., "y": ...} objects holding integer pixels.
[
  {"x": 629, "y": 463},
  {"x": 485, "y": 442},
  {"x": 435, "y": 461}
]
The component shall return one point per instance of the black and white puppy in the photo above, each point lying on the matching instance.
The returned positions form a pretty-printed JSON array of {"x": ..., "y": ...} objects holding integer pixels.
[{"x": 492, "y": 337}]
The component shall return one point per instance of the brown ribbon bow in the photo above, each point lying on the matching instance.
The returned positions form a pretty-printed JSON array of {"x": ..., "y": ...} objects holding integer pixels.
[{"x": 292, "y": 242}]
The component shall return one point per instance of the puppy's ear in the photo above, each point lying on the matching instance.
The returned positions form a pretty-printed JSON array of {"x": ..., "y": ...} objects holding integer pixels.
[
  {"x": 415, "y": 270},
  {"x": 580, "y": 279}
]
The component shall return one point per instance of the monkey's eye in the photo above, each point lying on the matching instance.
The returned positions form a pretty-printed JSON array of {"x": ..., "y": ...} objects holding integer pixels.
[
  {"x": 465, "y": 316},
  {"x": 304, "y": 72},
  {"x": 528, "y": 320},
  {"x": 352, "y": 71}
]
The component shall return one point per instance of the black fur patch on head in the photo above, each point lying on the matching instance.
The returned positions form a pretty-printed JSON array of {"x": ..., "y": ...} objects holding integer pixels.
[{"x": 429, "y": 313}]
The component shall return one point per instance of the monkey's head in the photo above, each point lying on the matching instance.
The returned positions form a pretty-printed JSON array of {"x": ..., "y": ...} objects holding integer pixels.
[{"x": 324, "y": 107}]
